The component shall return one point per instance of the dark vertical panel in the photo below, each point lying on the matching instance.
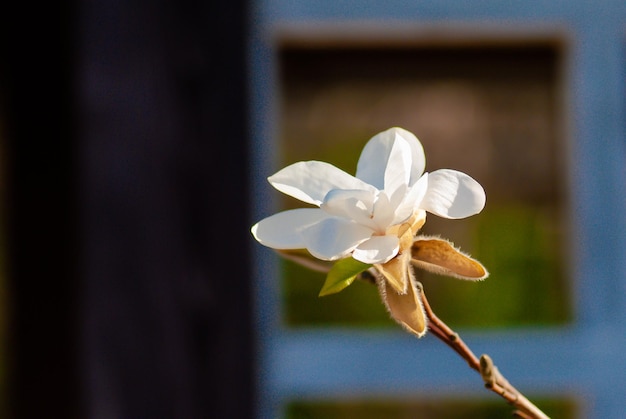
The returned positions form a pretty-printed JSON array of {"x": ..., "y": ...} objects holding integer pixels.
[
  {"x": 164, "y": 179},
  {"x": 39, "y": 211},
  {"x": 127, "y": 214}
]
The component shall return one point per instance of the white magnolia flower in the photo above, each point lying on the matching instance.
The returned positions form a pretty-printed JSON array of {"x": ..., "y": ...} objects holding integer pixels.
[
  {"x": 357, "y": 214},
  {"x": 372, "y": 217}
]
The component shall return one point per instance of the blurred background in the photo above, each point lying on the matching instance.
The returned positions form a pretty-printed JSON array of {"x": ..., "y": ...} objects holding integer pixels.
[{"x": 135, "y": 160}]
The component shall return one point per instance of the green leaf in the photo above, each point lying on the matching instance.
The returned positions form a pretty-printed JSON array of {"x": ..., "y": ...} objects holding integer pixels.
[{"x": 342, "y": 274}]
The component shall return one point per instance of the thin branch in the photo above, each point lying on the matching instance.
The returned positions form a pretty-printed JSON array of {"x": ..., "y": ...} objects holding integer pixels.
[{"x": 492, "y": 377}]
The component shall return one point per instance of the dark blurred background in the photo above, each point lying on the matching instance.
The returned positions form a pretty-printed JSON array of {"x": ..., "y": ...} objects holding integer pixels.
[{"x": 126, "y": 275}]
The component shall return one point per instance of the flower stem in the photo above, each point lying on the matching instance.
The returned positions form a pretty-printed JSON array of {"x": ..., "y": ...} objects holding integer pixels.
[{"x": 492, "y": 377}]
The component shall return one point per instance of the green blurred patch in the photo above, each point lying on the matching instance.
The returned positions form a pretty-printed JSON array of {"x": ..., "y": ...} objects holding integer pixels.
[
  {"x": 522, "y": 250},
  {"x": 426, "y": 409}
]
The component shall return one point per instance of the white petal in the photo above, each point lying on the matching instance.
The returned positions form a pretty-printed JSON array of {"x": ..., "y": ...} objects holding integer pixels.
[
  {"x": 453, "y": 194},
  {"x": 310, "y": 181},
  {"x": 375, "y": 155},
  {"x": 411, "y": 200},
  {"x": 284, "y": 230},
  {"x": 357, "y": 205},
  {"x": 378, "y": 249},
  {"x": 396, "y": 198},
  {"x": 334, "y": 238},
  {"x": 398, "y": 170},
  {"x": 383, "y": 212}
]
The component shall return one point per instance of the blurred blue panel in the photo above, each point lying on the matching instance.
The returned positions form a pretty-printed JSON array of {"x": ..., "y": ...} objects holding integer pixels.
[
  {"x": 585, "y": 361},
  {"x": 549, "y": 362},
  {"x": 425, "y": 10},
  {"x": 598, "y": 170}
]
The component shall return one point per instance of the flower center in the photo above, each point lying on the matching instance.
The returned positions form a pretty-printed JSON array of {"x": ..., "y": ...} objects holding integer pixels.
[{"x": 408, "y": 229}]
